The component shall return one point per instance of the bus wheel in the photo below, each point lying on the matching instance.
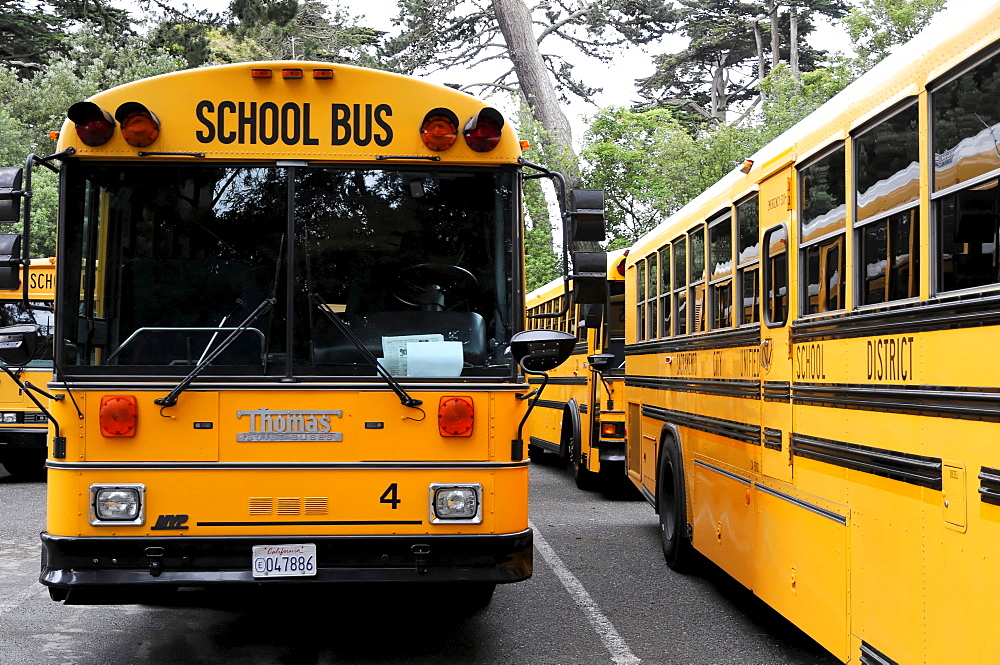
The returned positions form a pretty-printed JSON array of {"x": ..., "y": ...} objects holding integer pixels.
[
  {"x": 27, "y": 465},
  {"x": 584, "y": 477},
  {"x": 472, "y": 596},
  {"x": 672, "y": 508}
]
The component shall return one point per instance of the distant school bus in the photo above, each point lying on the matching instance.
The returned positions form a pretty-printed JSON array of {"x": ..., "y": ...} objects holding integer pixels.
[
  {"x": 289, "y": 341},
  {"x": 812, "y": 375},
  {"x": 23, "y": 425},
  {"x": 581, "y": 421}
]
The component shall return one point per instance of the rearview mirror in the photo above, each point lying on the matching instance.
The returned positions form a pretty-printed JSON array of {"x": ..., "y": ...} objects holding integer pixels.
[
  {"x": 10, "y": 195},
  {"x": 599, "y": 362},
  {"x": 10, "y": 261},
  {"x": 18, "y": 343},
  {"x": 542, "y": 350}
]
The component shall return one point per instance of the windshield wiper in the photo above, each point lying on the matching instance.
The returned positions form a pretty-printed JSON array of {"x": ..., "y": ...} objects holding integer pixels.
[
  {"x": 404, "y": 398},
  {"x": 171, "y": 398}
]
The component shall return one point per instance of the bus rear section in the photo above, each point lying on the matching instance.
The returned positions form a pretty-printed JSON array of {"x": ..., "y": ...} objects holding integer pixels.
[
  {"x": 23, "y": 424},
  {"x": 581, "y": 421}
]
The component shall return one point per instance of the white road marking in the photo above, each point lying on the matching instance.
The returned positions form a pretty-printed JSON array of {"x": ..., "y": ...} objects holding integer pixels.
[{"x": 613, "y": 642}]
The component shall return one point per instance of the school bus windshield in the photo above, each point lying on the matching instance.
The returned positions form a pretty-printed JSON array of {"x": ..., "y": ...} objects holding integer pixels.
[{"x": 393, "y": 252}]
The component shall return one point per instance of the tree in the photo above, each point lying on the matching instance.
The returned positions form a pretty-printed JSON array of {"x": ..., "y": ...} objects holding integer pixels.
[
  {"x": 726, "y": 58},
  {"x": 441, "y": 35},
  {"x": 32, "y": 32},
  {"x": 541, "y": 264},
  {"x": 875, "y": 26},
  {"x": 30, "y": 109},
  {"x": 650, "y": 165}
]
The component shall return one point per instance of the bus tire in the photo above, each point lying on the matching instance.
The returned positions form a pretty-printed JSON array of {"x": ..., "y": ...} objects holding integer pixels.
[
  {"x": 26, "y": 465},
  {"x": 585, "y": 478},
  {"x": 569, "y": 436},
  {"x": 671, "y": 505}
]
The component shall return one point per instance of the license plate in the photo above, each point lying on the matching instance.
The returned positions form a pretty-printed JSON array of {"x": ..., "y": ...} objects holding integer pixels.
[{"x": 284, "y": 560}]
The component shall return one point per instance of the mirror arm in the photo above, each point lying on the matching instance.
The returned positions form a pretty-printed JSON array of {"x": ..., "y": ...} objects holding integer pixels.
[
  {"x": 517, "y": 445},
  {"x": 58, "y": 441}
]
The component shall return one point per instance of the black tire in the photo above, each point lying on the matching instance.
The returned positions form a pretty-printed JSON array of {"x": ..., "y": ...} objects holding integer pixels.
[
  {"x": 671, "y": 505},
  {"x": 26, "y": 465},
  {"x": 471, "y": 597},
  {"x": 567, "y": 440},
  {"x": 535, "y": 454},
  {"x": 585, "y": 479}
]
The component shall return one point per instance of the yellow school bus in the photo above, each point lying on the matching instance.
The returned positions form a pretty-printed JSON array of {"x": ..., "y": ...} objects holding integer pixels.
[
  {"x": 581, "y": 421},
  {"x": 812, "y": 395},
  {"x": 23, "y": 424},
  {"x": 289, "y": 342}
]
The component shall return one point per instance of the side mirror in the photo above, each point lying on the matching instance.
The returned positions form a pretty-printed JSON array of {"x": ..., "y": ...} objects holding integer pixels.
[
  {"x": 600, "y": 362},
  {"x": 542, "y": 350},
  {"x": 10, "y": 261},
  {"x": 18, "y": 343},
  {"x": 590, "y": 278},
  {"x": 10, "y": 194},
  {"x": 586, "y": 215}
]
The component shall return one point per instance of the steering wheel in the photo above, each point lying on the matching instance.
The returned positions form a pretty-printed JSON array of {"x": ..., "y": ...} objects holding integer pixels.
[{"x": 426, "y": 286}]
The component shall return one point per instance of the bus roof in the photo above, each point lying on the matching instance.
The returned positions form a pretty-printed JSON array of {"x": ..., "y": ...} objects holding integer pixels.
[{"x": 332, "y": 113}]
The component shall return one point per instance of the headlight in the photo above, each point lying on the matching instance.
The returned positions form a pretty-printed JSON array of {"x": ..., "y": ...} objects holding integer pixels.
[
  {"x": 457, "y": 503},
  {"x": 10, "y": 417},
  {"x": 116, "y": 504}
]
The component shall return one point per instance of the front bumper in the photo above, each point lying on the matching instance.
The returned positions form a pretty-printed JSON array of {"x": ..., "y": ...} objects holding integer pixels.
[{"x": 69, "y": 563}]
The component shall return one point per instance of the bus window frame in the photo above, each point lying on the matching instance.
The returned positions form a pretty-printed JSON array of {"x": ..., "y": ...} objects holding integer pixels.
[
  {"x": 666, "y": 291},
  {"x": 753, "y": 263},
  {"x": 714, "y": 281},
  {"x": 766, "y": 278},
  {"x": 822, "y": 243}
]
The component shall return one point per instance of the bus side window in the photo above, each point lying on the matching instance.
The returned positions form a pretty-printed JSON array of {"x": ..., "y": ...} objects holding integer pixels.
[{"x": 776, "y": 277}]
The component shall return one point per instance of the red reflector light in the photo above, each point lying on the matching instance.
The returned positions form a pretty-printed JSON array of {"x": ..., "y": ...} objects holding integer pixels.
[
  {"x": 260, "y": 73},
  {"x": 140, "y": 126},
  {"x": 291, "y": 73},
  {"x": 94, "y": 125},
  {"x": 323, "y": 74},
  {"x": 439, "y": 129},
  {"x": 482, "y": 132},
  {"x": 119, "y": 415},
  {"x": 455, "y": 416}
]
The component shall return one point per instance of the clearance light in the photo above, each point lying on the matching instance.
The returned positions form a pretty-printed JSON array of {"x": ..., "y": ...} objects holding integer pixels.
[
  {"x": 323, "y": 74},
  {"x": 291, "y": 73},
  {"x": 439, "y": 129},
  {"x": 613, "y": 430},
  {"x": 117, "y": 504},
  {"x": 140, "y": 126},
  {"x": 456, "y": 503},
  {"x": 482, "y": 132},
  {"x": 94, "y": 125},
  {"x": 456, "y": 416},
  {"x": 747, "y": 165},
  {"x": 119, "y": 415},
  {"x": 260, "y": 73}
]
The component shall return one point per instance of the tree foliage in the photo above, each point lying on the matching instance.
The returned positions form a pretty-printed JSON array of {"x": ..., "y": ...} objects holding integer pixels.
[
  {"x": 650, "y": 164},
  {"x": 875, "y": 26},
  {"x": 31, "y": 108}
]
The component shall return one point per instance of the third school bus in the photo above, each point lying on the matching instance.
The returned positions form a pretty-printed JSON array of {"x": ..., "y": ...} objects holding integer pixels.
[
  {"x": 581, "y": 420},
  {"x": 812, "y": 375},
  {"x": 23, "y": 425},
  {"x": 288, "y": 335}
]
